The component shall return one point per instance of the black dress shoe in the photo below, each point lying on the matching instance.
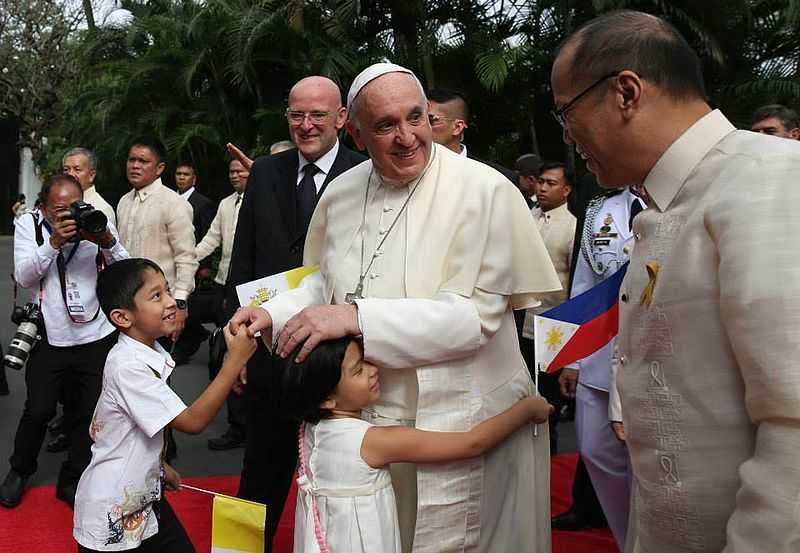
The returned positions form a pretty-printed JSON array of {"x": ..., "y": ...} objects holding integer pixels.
[
  {"x": 66, "y": 494},
  {"x": 11, "y": 489},
  {"x": 571, "y": 521},
  {"x": 229, "y": 440},
  {"x": 58, "y": 444}
]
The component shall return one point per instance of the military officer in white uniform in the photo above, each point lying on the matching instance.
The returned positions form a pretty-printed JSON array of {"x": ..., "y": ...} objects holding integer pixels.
[{"x": 606, "y": 244}]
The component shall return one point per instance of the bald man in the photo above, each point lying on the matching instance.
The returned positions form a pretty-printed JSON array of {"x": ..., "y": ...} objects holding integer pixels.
[
  {"x": 708, "y": 336},
  {"x": 281, "y": 194}
]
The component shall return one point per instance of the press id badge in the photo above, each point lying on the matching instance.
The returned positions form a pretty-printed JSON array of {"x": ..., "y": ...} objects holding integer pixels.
[{"x": 74, "y": 302}]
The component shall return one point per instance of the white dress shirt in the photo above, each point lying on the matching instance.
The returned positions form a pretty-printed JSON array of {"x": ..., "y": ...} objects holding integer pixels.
[
  {"x": 34, "y": 263},
  {"x": 324, "y": 164},
  {"x": 91, "y": 196},
  {"x": 186, "y": 194},
  {"x": 557, "y": 228},
  {"x": 156, "y": 223},
  {"x": 222, "y": 231},
  {"x": 115, "y": 495}
]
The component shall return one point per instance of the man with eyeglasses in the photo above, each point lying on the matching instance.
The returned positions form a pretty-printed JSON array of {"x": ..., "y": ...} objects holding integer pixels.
[
  {"x": 449, "y": 118},
  {"x": 708, "y": 335},
  {"x": 423, "y": 255},
  {"x": 281, "y": 194}
]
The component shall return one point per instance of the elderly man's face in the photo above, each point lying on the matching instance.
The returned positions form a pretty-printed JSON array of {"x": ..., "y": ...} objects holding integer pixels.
[
  {"x": 78, "y": 166},
  {"x": 591, "y": 123},
  {"x": 392, "y": 124},
  {"x": 315, "y": 115},
  {"x": 775, "y": 127}
]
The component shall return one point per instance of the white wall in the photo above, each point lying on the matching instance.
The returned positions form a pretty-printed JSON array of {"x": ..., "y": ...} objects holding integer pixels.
[{"x": 29, "y": 182}]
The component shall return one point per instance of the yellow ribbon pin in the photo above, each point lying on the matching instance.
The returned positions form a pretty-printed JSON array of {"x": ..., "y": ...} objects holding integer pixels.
[{"x": 652, "y": 267}]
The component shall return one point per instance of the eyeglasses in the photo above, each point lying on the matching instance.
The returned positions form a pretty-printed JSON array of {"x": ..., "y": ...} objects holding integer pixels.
[
  {"x": 560, "y": 113},
  {"x": 298, "y": 117}
]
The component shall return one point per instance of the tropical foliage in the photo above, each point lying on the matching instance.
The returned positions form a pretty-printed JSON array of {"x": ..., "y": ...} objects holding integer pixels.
[{"x": 200, "y": 73}]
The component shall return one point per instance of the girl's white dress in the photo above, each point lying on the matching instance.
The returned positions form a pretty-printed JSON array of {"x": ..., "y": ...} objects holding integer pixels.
[{"x": 355, "y": 502}]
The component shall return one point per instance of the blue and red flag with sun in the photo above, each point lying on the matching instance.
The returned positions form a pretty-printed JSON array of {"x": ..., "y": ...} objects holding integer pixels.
[{"x": 580, "y": 326}]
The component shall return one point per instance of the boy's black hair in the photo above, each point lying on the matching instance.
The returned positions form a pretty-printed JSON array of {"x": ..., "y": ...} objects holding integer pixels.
[
  {"x": 303, "y": 386},
  {"x": 118, "y": 283}
]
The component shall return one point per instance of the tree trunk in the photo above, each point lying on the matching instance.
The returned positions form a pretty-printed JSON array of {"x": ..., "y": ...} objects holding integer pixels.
[{"x": 89, "y": 11}]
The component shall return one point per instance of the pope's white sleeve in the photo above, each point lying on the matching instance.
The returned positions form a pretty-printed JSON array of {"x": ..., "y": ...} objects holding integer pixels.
[
  {"x": 287, "y": 304},
  {"x": 413, "y": 332}
]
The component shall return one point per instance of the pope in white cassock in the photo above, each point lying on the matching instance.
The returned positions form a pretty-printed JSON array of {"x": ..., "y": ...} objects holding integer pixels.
[{"x": 424, "y": 253}]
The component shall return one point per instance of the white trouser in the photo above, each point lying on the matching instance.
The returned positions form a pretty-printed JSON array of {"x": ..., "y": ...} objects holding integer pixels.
[{"x": 606, "y": 458}]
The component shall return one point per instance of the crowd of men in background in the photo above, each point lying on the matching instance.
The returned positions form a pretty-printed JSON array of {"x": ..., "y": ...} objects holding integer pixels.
[{"x": 260, "y": 229}]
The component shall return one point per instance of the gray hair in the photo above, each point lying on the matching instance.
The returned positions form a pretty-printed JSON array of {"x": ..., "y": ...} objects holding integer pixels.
[
  {"x": 787, "y": 116},
  {"x": 281, "y": 146},
  {"x": 78, "y": 151}
]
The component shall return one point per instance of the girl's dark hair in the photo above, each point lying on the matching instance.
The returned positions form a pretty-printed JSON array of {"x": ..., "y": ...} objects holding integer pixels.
[{"x": 303, "y": 386}]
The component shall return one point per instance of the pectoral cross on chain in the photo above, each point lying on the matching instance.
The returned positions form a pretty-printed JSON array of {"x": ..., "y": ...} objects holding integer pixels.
[{"x": 356, "y": 294}]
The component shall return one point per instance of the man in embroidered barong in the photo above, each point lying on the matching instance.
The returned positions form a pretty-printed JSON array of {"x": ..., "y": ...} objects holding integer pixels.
[
  {"x": 424, "y": 254},
  {"x": 708, "y": 340}
]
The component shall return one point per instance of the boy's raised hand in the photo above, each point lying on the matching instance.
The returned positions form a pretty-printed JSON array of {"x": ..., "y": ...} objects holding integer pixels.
[
  {"x": 538, "y": 407},
  {"x": 241, "y": 346}
]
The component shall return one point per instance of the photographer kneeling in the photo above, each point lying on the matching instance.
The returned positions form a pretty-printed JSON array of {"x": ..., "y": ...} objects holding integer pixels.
[{"x": 60, "y": 250}]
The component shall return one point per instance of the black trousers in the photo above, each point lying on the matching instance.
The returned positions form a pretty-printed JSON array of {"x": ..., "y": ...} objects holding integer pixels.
[
  {"x": 204, "y": 307},
  {"x": 270, "y": 455},
  {"x": 49, "y": 370},
  {"x": 170, "y": 538},
  {"x": 548, "y": 388}
]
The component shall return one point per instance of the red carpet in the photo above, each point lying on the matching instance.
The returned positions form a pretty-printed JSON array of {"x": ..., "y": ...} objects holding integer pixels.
[{"x": 42, "y": 524}]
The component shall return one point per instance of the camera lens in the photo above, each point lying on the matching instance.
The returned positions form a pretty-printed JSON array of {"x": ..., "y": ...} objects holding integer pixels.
[
  {"x": 20, "y": 347},
  {"x": 94, "y": 221}
]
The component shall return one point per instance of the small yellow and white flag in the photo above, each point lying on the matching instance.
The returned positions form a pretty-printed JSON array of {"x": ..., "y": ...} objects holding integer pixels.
[
  {"x": 256, "y": 292},
  {"x": 237, "y": 525}
]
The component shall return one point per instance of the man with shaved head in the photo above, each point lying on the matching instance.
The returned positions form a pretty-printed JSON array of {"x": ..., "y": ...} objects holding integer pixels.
[
  {"x": 280, "y": 197},
  {"x": 708, "y": 335},
  {"x": 423, "y": 254}
]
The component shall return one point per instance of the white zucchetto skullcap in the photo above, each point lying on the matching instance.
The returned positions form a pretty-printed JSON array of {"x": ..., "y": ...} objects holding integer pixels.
[{"x": 373, "y": 72}]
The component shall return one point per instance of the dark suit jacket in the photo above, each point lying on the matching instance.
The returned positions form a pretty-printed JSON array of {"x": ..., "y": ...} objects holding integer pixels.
[
  {"x": 268, "y": 238},
  {"x": 204, "y": 212}
]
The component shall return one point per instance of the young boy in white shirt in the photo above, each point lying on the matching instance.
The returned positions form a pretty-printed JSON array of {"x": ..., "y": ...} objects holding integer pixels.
[{"x": 119, "y": 504}]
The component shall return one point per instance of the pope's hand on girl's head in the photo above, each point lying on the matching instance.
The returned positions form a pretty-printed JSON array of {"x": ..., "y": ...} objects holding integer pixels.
[{"x": 315, "y": 324}]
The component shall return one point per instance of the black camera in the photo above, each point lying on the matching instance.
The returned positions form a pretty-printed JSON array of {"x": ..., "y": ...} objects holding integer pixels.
[
  {"x": 87, "y": 217},
  {"x": 27, "y": 317}
]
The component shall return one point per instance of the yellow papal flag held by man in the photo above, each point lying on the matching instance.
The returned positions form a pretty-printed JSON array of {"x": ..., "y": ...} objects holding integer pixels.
[{"x": 237, "y": 525}]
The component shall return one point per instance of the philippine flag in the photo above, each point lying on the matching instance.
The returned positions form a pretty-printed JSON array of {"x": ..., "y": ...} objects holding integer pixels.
[{"x": 580, "y": 326}]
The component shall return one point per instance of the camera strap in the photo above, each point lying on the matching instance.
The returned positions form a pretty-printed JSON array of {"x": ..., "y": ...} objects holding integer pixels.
[{"x": 37, "y": 227}]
